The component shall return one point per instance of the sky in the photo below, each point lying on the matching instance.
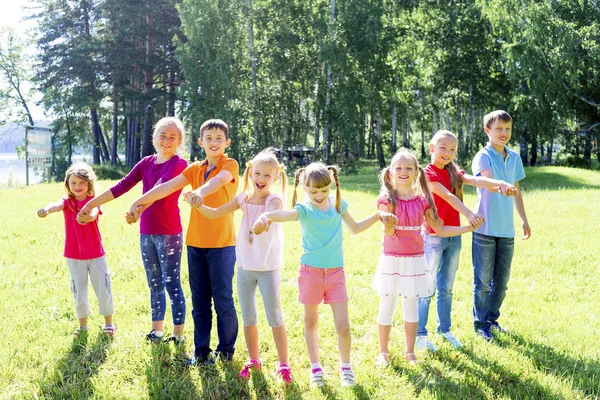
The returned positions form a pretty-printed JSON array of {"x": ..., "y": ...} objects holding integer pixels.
[{"x": 11, "y": 14}]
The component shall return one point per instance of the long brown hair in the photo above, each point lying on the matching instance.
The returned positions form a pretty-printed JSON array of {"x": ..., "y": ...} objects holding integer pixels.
[
  {"x": 318, "y": 175},
  {"x": 266, "y": 156},
  {"x": 387, "y": 184},
  {"x": 456, "y": 182}
]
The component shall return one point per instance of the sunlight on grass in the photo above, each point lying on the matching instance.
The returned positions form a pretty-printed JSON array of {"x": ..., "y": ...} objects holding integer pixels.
[{"x": 551, "y": 309}]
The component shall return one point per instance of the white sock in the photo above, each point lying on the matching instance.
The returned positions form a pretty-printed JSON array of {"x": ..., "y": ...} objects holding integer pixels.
[
  {"x": 315, "y": 365},
  {"x": 159, "y": 333},
  {"x": 345, "y": 365}
]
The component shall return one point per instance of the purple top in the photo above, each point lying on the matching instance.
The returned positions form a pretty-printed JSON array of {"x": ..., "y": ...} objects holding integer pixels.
[{"x": 162, "y": 217}]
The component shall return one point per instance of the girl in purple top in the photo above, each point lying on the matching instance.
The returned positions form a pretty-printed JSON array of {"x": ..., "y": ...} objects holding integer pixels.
[{"x": 160, "y": 226}]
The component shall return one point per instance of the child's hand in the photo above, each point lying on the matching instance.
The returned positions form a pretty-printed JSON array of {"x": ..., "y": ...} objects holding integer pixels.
[
  {"x": 526, "y": 231},
  {"x": 83, "y": 219},
  {"x": 476, "y": 220},
  {"x": 508, "y": 190},
  {"x": 130, "y": 218},
  {"x": 42, "y": 213},
  {"x": 193, "y": 199},
  {"x": 261, "y": 225},
  {"x": 388, "y": 219},
  {"x": 85, "y": 210}
]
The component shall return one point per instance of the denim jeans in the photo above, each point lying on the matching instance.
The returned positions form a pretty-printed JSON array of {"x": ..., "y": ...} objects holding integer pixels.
[
  {"x": 161, "y": 255},
  {"x": 211, "y": 279},
  {"x": 492, "y": 257},
  {"x": 442, "y": 255}
]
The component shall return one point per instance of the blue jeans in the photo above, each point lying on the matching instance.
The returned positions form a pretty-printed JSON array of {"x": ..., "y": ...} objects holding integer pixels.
[
  {"x": 211, "y": 279},
  {"x": 442, "y": 255},
  {"x": 161, "y": 255},
  {"x": 492, "y": 257}
]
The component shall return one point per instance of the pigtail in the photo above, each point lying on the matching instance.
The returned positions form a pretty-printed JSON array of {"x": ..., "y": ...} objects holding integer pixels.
[
  {"x": 427, "y": 193},
  {"x": 455, "y": 179},
  {"x": 387, "y": 189},
  {"x": 297, "y": 176},
  {"x": 247, "y": 176},
  {"x": 338, "y": 195},
  {"x": 284, "y": 182}
]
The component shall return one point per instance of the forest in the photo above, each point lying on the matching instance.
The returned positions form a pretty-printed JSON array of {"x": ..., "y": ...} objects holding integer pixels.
[{"x": 351, "y": 79}]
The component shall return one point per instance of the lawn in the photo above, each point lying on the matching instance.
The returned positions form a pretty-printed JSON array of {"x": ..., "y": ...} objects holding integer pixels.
[{"x": 552, "y": 310}]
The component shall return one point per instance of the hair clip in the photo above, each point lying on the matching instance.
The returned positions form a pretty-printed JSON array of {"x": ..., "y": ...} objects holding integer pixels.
[
  {"x": 249, "y": 164},
  {"x": 282, "y": 167}
]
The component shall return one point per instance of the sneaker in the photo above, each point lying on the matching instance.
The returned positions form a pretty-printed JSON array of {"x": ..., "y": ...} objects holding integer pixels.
[
  {"x": 424, "y": 344},
  {"x": 347, "y": 377},
  {"x": 252, "y": 364},
  {"x": 81, "y": 331},
  {"x": 153, "y": 338},
  {"x": 109, "y": 330},
  {"x": 317, "y": 378},
  {"x": 178, "y": 340},
  {"x": 284, "y": 374},
  {"x": 485, "y": 334},
  {"x": 454, "y": 342},
  {"x": 411, "y": 358},
  {"x": 495, "y": 327},
  {"x": 382, "y": 360}
]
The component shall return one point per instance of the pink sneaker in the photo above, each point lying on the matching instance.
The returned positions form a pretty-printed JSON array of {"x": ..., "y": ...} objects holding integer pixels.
[
  {"x": 252, "y": 364},
  {"x": 285, "y": 374}
]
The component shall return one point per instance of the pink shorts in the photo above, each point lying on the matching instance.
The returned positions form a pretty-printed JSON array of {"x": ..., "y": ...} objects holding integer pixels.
[{"x": 321, "y": 285}]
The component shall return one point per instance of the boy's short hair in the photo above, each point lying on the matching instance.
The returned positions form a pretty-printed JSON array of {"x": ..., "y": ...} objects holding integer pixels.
[
  {"x": 214, "y": 124},
  {"x": 492, "y": 117}
]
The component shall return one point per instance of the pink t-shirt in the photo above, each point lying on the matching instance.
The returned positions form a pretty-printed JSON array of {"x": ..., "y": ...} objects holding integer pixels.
[
  {"x": 82, "y": 242},
  {"x": 265, "y": 253},
  {"x": 446, "y": 212},
  {"x": 407, "y": 240}
]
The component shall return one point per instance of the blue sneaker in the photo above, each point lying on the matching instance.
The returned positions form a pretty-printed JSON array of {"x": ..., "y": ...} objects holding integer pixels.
[
  {"x": 485, "y": 334},
  {"x": 497, "y": 328}
]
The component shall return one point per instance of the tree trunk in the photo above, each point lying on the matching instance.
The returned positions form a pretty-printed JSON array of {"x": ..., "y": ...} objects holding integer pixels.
[
  {"x": 394, "y": 127},
  {"x": 549, "y": 151},
  {"x": 378, "y": 140},
  {"x": 148, "y": 79},
  {"x": 136, "y": 135},
  {"x": 254, "y": 85},
  {"x": 115, "y": 125},
  {"x": 523, "y": 148},
  {"x": 326, "y": 122},
  {"x": 96, "y": 136},
  {"x": 533, "y": 159},
  {"x": 148, "y": 122},
  {"x": 103, "y": 146}
]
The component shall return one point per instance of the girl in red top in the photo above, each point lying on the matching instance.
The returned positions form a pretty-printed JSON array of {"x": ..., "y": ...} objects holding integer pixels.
[
  {"x": 83, "y": 247},
  {"x": 445, "y": 180}
]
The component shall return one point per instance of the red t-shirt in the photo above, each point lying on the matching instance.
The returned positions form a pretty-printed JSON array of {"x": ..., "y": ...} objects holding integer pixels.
[
  {"x": 447, "y": 213},
  {"x": 82, "y": 242}
]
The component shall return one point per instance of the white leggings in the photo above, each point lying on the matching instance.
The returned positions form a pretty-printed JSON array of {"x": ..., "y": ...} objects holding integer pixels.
[{"x": 387, "y": 305}]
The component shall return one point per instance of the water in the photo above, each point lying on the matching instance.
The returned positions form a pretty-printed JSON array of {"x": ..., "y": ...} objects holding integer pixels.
[{"x": 12, "y": 170}]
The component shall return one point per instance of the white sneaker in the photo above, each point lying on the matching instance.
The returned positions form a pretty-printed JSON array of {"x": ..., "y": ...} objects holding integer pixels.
[
  {"x": 424, "y": 344},
  {"x": 347, "y": 377},
  {"x": 382, "y": 360},
  {"x": 454, "y": 342},
  {"x": 317, "y": 378}
]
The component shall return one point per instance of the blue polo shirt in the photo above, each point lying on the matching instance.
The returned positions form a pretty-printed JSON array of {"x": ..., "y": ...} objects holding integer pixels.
[
  {"x": 321, "y": 235},
  {"x": 498, "y": 210}
]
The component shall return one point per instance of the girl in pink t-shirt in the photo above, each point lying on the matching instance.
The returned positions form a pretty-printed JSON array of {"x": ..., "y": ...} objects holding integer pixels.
[
  {"x": 259, "y": 257},
  {"x": 83, "y": 247},
  {"x": 402, "y": 269}
]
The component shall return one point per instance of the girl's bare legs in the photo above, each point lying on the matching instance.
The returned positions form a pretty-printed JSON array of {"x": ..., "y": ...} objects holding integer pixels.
[
  {"x": 158, "y": 325},
  {"x": 281, "y": 342},
  {"x": 107, "y": 320},
  {"x": 84, "y": 321},
  {"x": 342, "y": 327},
  {"x": 178, "y": 329},
  {"x": 384, "y": 339},
  {"x": 410, "y": 330},
  {"x": 311, "y": 318},
  {"x": 251, "y": 336}
]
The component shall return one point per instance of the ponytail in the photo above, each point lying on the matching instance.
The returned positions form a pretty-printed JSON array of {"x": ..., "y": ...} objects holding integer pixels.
[
  {"x": 426, "y": 192},
  {"x": 338, "y": 194},
  {"x": 387, "y": 189},
  {"x": 297, "y": 176},
  {"x": 247, "y": 175},
  {"x": 455, "y": 180},
  {"x": 284, "y": 182}
]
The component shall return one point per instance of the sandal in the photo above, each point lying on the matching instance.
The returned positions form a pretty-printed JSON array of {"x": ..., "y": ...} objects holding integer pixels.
[
  {"x": 82, "y": 330},
  {"x": 109, "y": 330},
  {"x": 252, "y": 364},
  {"x": 411, "y": 358},
  {"x": 347, "y": 377},
  {"x": 284, "y": 374},
  {"x": 317, "y": 377},
  {"x": 383, "y": 360}
]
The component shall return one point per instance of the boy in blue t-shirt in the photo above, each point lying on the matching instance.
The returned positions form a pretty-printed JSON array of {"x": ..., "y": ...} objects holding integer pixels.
[{"x": 493, "y": 242}]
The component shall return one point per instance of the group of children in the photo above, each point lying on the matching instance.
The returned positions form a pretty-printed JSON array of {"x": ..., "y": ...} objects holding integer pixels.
[{"x": 419, "y": 210}]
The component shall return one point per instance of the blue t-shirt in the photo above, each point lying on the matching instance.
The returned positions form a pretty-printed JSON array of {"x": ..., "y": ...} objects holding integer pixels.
[
  {"x": 496, "y": 208},
  {"x": 321, "y": 235}
]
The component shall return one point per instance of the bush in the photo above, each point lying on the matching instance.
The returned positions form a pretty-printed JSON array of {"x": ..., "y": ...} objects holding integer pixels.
[{"x": 108, "y": 172}]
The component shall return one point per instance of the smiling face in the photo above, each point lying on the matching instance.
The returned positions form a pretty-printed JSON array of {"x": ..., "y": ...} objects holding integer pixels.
[
  {"x": 318, "y": 197},
  {"x": 403, "y": 172},
  {"x": 214, "y": 142},
  {"x": 263, "y": 175},
  {"x": 443, "y": 151},
  {"x": 499, "y": 133},
  {"x": 78, "y": 187},
  {"x": 167, "y": 140}
]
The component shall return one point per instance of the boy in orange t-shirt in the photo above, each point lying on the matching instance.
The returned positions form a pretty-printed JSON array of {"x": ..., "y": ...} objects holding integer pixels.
[{"x": 210, "y": 243}]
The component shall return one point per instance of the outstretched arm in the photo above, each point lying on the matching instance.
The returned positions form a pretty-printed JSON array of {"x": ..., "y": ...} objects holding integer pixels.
[
  {"x": 88, "y": 217},
  {"x": 195, "y": 197},
  {"x": 264, "y": 221},
  {"x": 105, "y": 197},
  {"x": 213, "y": 213},
  {"x": 357, "y": 227},
  {"x": 487, "y": 181},
  {"x": 158, "y": 192},
  {"x": 455, "y": 202},
  {"x": 447, "y": 231},
  {"x": 50, "y": 208},
  {"x": 520, "y": 206}
]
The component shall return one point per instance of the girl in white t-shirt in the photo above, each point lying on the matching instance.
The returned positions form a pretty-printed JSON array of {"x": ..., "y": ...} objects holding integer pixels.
[{"x": 259, "y": 258}]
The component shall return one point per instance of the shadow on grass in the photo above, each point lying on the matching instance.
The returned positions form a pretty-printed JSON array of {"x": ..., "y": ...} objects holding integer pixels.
[
  {"x": 168, "y": 376},
  {"x": 72, "y": 376},
  {"x": 584, "y": 374},
  {"x": 220, "y": 381},
  {"x": 481, "y": 378},
  {"x": 544, "y": 180}
]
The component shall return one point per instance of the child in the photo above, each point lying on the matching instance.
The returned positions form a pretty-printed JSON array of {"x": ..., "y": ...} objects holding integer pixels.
[
  {"x": 161, "y": 237},
  {"x": 445, "y": 181},
  {"x": 83, "y": 247},
  {"x": 210, "y": 243},
  {"x": 402, "y": 269},
  {"x": 321, "y": 277},
  {"x": 493, "y": 242},
  {"x": 259, "y": 258}
]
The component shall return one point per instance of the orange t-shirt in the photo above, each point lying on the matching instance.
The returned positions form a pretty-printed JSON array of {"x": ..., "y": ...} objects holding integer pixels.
[{"x": 212, "y": 233}]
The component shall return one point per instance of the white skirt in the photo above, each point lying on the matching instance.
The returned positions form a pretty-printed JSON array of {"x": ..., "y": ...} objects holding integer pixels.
[{"x": 403, "y": 276}]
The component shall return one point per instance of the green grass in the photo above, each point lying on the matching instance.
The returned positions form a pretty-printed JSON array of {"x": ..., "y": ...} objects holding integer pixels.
[{"x": 551, "y": 309}]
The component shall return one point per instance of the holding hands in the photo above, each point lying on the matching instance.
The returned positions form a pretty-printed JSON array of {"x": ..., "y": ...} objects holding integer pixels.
[
  {"x": 261, "y": 224},
  {"x": 476, "y": 220},
  {"x": 42, "y": 212},
  {"x": 193, "y": 198},
  {"x": 507, "y": 189},
  {"x": 389, "y": 220}
]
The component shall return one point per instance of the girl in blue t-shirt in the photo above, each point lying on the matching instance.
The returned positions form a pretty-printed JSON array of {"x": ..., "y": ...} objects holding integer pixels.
[{"x": 321, "y": 278}]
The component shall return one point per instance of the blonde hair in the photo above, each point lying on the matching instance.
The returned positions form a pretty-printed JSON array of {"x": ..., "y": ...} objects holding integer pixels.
[
  {"x": 168, "y": 122},
  {"x": 387, "y": 184},
  {"x": 456, "y": 182},
  {"x": 266, "y": 156},
  {"x": 318, "y": 175}
]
